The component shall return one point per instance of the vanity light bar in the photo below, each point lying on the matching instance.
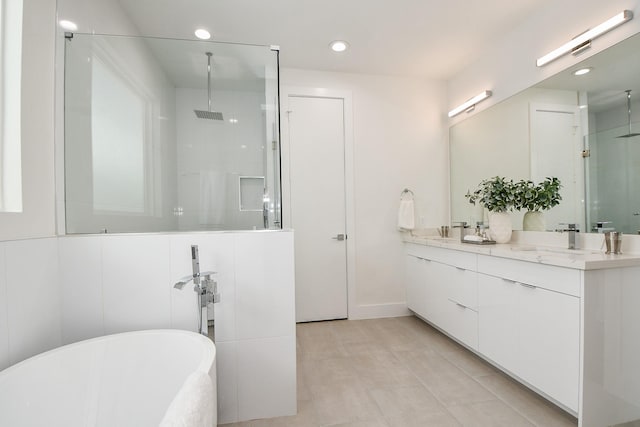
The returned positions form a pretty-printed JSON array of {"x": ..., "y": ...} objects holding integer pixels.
[
  {"x": 586, "y": 37},
  {"x": 470, "y": 103}
]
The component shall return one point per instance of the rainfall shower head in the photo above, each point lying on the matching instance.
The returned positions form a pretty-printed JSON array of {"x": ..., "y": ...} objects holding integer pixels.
[
  {"x": 628, "y": 134},
  {"x": 208, "y": 114},
  {"x": 211, "y": 115}
]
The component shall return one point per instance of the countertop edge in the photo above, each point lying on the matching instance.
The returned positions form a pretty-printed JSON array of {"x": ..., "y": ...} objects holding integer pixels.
[{"x": 592, "y": 260}]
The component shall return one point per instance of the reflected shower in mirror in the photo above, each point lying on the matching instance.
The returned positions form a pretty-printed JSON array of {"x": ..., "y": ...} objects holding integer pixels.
[
  {"x": 568, "y": 126},
  {"x": 137, "y": 158}
]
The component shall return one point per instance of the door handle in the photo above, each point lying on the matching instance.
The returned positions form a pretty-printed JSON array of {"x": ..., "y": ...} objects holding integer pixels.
[{"x": 340, "y": 237}]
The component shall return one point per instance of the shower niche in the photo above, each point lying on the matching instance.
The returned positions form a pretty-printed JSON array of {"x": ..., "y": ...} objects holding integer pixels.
[{"x": 169, "y": 135}]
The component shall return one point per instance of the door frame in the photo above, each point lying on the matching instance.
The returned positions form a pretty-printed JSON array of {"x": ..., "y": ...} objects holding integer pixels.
[{"x": 285, "y": 153}]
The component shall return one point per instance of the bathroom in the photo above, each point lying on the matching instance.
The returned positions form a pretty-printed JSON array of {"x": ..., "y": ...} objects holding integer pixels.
[{"x": 398, "y": 139}]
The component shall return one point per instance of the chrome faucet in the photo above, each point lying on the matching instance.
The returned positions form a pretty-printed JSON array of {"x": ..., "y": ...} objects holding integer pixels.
[
  {"x": 462, "y": 225},
  {"x": 572, "y": 229},
  {"x": 204, "y": 286}
]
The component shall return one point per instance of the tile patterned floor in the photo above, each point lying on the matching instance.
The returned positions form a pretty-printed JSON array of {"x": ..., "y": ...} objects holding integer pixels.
[{"x": 401, "y": 372}]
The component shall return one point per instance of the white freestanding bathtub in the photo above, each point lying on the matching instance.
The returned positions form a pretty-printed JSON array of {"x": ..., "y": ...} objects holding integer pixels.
[{"x": 127, "y": 379}]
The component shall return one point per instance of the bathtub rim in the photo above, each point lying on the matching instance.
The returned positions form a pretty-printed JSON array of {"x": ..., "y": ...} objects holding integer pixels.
[{"x": 205, "y": 365}]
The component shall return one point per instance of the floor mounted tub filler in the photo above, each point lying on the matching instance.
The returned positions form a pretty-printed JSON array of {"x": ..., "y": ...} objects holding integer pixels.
[{"x": 145, "y": 378}]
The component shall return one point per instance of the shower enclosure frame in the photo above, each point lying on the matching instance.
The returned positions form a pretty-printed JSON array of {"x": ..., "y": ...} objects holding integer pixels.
[{"x": 272, "y": 162}]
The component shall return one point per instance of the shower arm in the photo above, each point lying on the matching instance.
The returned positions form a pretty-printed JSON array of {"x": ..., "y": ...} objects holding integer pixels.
[
  {"x": 209, "y": 79},
  {"x": 629, "y": 109}
]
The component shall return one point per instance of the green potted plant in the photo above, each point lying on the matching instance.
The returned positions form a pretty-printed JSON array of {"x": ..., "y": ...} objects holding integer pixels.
[
  {"x": 498, "y": 196},
  {"x": 536, "y": 199}
]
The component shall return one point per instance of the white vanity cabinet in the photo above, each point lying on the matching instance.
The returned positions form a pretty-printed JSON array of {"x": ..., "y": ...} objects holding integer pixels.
[
  {"x": 523, "y": 316},
  {"x": 529, "y": 324},
  {"x": 442, "y": 288}
]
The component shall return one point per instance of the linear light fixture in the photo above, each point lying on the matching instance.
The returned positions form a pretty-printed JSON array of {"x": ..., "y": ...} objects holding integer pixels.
[
  {"x": 470, "y": 103},
  {"x": 586, "y": 37}
]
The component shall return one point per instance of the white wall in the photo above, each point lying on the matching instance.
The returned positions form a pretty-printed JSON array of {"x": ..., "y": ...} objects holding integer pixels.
[
  {"x": 398, "y": 128},
  {"x": 509, "y": 66},
  {"x": 30, "y": 305}
]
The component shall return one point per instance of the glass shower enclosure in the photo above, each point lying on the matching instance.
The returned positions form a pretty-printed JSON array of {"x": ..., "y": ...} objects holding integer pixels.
[{"x": 170, "y": 135}]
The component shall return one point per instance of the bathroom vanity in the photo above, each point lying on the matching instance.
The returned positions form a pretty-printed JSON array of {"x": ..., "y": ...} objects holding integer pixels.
[{"x": 563, "y": 322}]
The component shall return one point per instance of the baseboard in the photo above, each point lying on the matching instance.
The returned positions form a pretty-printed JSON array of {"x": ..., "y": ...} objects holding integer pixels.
[{"x": 376, "y": 311}]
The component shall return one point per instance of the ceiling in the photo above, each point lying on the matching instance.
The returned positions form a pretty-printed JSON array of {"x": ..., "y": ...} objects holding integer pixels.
[{"x": 432, "y": 39}]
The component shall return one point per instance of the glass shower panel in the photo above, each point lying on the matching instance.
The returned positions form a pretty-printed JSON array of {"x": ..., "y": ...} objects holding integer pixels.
[{"x": 159, "y": 132}]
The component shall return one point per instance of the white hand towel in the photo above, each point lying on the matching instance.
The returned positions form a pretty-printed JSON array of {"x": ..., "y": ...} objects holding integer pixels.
[
  {"x": 406, "y": 216},
  {"x": 194, "y": 405}
]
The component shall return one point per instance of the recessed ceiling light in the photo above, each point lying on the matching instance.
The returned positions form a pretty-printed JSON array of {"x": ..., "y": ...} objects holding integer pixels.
[
  {"x": 582, "y": 71},
  {"x": 339, "y": 45},
  {"x": 68, "y": 25},
  {"x": 202, "y": 34}
]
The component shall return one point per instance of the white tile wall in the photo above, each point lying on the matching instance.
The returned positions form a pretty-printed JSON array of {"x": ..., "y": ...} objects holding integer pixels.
[
  {"x": 81, "y": 287},
  {"x": 33, "y": 296},
  {"x": 4, "y": 327},
  {"x": 266, "y": 384},
  {"x": 264, "y": 280},
  {"x": 227, "y": 364},
  {"x": 136, "y": 278},
  {"x": 61, "y": 290}
]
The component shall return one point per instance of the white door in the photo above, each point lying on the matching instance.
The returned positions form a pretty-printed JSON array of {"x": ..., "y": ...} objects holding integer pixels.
[
  {"x": 556, "y": 147},
  {"x": 317, "y": 180}
]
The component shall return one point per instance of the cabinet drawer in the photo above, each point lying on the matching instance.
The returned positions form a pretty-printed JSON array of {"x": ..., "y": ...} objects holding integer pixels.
[
  {"x": 465, "y": 260},
  {"x": 461, "y": 323},
  {"x": 461, "y": 285},
  {"x": 558, "y": 279}
]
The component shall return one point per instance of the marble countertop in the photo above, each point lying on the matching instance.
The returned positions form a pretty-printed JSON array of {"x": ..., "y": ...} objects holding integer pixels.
[{"x": 580, "y": 259}]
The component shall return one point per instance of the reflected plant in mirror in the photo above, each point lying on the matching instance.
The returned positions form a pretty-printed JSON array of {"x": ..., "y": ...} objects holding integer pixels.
[
  {"x": 535, "y": 199},
  {"x": 541, "y": 197}
]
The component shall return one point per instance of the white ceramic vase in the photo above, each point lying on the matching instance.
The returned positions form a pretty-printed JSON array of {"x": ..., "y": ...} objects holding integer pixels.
[
  {"x": 533, "y": 221},
  {"x": 500, "y": 226}
]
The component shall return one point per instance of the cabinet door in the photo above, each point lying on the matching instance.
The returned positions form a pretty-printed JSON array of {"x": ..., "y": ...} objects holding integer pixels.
[
  {"x": 498, "y": 320},
  {"x": 549, "y": 344},
  {"x": 416, "y": 284},
  {"x": 437, "y": 310}
]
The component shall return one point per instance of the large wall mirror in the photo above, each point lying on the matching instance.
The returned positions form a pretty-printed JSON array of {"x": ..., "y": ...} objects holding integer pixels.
[{"x": 579, "y": 128}]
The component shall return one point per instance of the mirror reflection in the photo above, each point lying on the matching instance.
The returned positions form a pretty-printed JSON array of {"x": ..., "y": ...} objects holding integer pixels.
[{"x": 579, "y": 128}]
